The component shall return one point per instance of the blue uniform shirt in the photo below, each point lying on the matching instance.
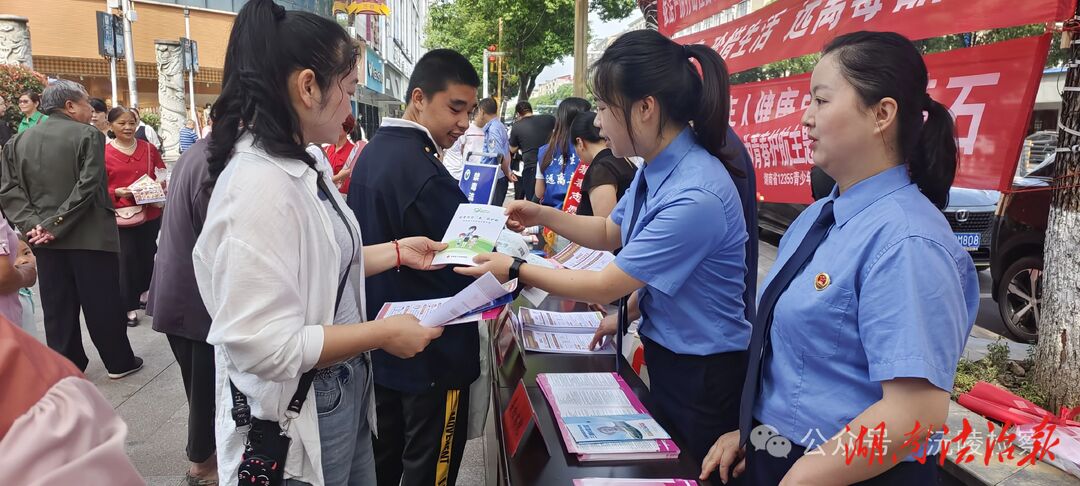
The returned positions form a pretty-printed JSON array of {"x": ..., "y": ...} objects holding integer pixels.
[
  {"x": 495, "y": 142},
  {"x": 689, "y": 248},
  {"x": 888, "y": 294}
]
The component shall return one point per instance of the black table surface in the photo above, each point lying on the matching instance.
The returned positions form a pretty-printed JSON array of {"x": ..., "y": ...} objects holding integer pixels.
[{"x": 541, "y": 458}]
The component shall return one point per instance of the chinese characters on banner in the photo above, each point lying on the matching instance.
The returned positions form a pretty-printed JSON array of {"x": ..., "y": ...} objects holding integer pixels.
[
  {"x": 996, "y": 444},
  {"x": 989, "y": 89},
  {"x": 675, "y": 15},
  {"x": 573, "y": 193},
  {"x": 792, "y": 28}
]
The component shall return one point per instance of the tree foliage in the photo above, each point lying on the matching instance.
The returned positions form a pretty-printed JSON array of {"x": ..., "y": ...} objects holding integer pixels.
[
  {"x": 546, "y": 103},
  {"x": 536, "y": 33},
  {"x": 14, "y": 80}
]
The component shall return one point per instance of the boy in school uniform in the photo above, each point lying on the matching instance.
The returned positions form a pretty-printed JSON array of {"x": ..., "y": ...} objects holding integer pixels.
[{"x": 401, "y": 188}]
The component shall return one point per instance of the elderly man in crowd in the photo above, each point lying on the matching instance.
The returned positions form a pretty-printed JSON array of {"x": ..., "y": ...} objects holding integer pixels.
[{"x": 54, "y": 188}]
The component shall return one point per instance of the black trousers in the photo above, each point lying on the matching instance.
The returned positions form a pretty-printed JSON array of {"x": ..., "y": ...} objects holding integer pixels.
[
  {"x": 138, "y": 245},
  {"x": 696, "y": 397},
  {"x": 421, "y": 436},
  {"x": 764, "y": 469},
  {"x": 196, "y": 361},
  {"x": 71, "y": 280},
  {"x": 502, "y": 186},
  {"x": 525, "y": 187}
]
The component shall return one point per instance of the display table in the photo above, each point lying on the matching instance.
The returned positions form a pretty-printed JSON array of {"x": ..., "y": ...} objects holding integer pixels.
[{"x": 541, "y": 458}]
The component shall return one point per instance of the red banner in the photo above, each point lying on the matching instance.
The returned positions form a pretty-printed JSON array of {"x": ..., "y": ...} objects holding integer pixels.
[
  {"x": 675, "y": 15},
  {"x": 792, "y": 28},
  {"x": 990, "y": 91}
]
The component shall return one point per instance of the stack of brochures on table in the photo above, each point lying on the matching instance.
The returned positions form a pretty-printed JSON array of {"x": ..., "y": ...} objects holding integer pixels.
[
  {"x": 633, "y": 482},
  {"x": 587, "y": 403},
  {"x": 560, "y": 332}
]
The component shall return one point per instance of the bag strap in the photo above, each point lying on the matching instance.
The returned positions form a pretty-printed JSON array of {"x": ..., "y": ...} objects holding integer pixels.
[{"x": 241, "y": 411}]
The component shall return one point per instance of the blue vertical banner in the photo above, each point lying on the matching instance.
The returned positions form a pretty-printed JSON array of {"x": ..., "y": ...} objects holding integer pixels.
[
  {"x": 478, "y": 182},
  {"x": 375, "y": 74}
]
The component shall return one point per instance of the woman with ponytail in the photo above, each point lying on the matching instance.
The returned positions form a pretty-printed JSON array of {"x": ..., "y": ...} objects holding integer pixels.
[
  {"x": 680, "y": 226},
  {"x": 557, "y": 160},
  {"x": 280, "y": 263},
  {"x": 863, "y": 318}
]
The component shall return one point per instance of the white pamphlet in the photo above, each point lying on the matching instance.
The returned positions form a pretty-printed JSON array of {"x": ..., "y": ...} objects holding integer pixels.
[
  {"x": 560, "y": 321},
  {"x": 475, "y": 229},
  {"x": 561, "y": 332},
  {"x": 420, "y": 309},
  {"x": 146, "y": 190},
  {"x": 562, "y": 343},
  {"x": 577, "y": 257},
  {"x": 460, "y": 308}
]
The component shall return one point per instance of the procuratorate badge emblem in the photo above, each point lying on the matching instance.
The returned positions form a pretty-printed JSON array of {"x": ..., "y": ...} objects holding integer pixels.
[{"x": 822, "y": 281}]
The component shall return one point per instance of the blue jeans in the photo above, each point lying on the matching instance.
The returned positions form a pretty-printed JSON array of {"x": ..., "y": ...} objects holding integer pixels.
[{"x": 342, "y": 397}]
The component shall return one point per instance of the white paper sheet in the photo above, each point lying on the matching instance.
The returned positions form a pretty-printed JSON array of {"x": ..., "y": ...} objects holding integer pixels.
[
  {"x": 562, "y": 342},
  {"x": 420, "y": 309},
  {"x": 578, "y": 322},
  {"x": 577, "y": 257}
]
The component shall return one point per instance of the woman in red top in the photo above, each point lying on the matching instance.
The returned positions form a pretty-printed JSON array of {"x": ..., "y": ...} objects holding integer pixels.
[
  {"x": 126, "y": 160},
  {"x": 343, "y": 155}
]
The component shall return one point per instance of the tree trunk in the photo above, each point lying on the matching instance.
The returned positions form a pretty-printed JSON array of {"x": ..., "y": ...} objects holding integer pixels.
[
  {"x": 526, "y": 83},
  {"x": 648, "y": 10},
  {"x": 1057, "y": 361},
  {"x": 532, "y": 85},
  {"x": 523, "y": 85}
]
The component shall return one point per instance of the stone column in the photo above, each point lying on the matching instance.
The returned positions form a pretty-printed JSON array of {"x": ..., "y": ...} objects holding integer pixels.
[
  {"x": 170, "y": 63},
  {"x": 15, "y": 41}
]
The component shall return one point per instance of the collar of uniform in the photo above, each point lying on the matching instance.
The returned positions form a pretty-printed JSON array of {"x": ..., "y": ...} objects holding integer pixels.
[
  {"x": 491, "y": 123},
  {"x": 246, "y": 144},
  {"x": 37, "y": 116},
  {"x": 403, "y": 123},
  {"x": 660, "y": 168},
  {"x": 868, "y": 191}
]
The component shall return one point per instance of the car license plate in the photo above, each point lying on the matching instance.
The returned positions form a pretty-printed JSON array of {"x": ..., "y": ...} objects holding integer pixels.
[{"x": 970, "y": 241}]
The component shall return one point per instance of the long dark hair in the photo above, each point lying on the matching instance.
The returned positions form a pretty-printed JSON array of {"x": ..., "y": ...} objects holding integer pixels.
[
  {"x": 266, "y": 46},
  {"x": 644, "y": 63},
  {"x": 584, "y": 127},
  {"x": 559, "y": 143},
  {"x": 887, "y": 65}
]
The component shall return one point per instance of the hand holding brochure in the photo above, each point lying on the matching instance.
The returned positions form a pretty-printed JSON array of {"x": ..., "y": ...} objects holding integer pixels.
[
  {"x": 146, "y": 190},
  {"x": 467, "y": 306},
  {"x": 475, "y": 229}
]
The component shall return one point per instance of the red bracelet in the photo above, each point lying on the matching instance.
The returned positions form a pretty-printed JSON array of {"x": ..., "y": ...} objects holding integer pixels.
[{"x": 397, "y": 248}]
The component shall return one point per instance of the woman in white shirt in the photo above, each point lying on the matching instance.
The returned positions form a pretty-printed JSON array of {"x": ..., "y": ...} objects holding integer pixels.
[{"x": 279, "y": 262}]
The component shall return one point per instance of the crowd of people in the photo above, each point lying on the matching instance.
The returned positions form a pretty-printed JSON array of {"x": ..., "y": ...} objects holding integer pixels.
[{"x": 284, "y": 232}]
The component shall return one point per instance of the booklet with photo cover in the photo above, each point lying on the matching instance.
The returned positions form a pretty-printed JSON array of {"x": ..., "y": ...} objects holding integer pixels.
[
  {"x": 475, "y": 229},
  {"x": 614, "y": 428}
]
